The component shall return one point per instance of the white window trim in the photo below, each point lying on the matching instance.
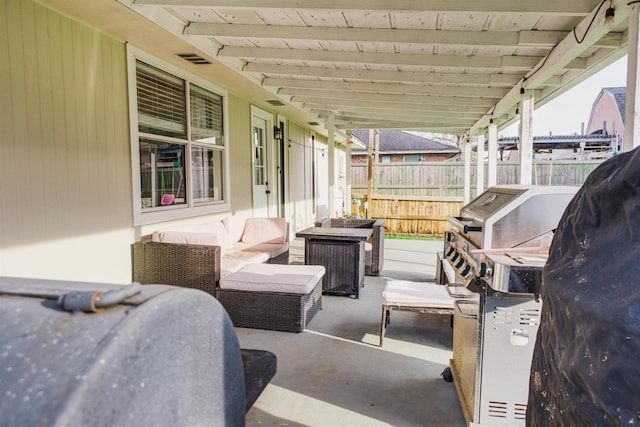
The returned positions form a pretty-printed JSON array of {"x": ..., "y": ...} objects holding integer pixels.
[{"x": 174, "y": 212}]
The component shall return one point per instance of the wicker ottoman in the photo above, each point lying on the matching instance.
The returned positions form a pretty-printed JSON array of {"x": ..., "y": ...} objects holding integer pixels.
[{"x": 272, "y": 296}]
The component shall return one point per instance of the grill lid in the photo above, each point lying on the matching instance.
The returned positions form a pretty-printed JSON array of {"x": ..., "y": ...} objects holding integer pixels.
[{"x": 506, "y": 216}]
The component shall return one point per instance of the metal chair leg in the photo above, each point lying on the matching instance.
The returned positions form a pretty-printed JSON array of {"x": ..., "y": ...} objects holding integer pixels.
[{"x": 383, "y": 323}]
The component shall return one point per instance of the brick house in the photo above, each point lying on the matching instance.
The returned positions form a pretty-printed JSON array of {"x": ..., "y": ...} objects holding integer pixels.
[{"x": 396, "y": 146}]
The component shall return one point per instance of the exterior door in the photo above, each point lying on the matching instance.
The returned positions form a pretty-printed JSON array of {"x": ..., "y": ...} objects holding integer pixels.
[{"x": 264, "y": 184}]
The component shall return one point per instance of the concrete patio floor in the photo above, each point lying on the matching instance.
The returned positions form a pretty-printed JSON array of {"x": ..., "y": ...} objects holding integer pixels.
[{"x": 335, "y": 374}]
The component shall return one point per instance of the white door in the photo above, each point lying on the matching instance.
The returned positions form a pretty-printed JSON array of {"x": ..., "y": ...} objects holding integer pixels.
[{"x": 264, "y": 184}]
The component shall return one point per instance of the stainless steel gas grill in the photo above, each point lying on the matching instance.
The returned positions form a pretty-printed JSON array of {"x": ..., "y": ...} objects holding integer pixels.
[{"x": 496, "y": 250}]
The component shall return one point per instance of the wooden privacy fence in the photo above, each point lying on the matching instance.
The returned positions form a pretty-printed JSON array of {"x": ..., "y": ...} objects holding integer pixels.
[
  {"x": 447, "y": 178},
  {"x": 415, "y": 198},
  {"x": 411, "y": 215}
]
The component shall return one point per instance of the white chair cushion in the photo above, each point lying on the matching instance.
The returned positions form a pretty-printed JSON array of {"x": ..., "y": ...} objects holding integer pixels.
[
  {"x": 294, "y": 279},
  {"x": 416, "y": 294}
]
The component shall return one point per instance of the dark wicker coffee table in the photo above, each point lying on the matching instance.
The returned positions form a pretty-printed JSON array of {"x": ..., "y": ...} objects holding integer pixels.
[{"x": 341, "y": 252}]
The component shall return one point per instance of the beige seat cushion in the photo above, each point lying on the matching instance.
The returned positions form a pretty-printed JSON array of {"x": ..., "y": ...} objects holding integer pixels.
[
  {"x": 232, "y": 261},
  {"x": 272, "y": 249},
  {"x": 416, "y": 294},
  {"x": 294, "y": 279}
]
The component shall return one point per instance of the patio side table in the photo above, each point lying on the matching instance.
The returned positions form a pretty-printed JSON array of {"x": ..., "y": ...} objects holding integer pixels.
[{"x": 341, "y": 252}]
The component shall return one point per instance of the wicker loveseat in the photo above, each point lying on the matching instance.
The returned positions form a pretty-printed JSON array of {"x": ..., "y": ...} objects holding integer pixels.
[
  {"x": 374, "y": 248},
  {"x": 197, "y": 256}
]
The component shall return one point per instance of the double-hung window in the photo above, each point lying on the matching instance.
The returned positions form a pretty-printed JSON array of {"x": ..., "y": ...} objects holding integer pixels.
[{"x": 178, "y": 146}]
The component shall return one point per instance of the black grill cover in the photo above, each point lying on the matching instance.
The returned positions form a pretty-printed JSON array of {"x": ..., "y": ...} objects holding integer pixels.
[
  {"x": 586, "y": 363},
  {"x": 166, "y": 357}
]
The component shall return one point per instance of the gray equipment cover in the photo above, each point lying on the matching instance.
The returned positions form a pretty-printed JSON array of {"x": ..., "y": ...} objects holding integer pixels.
[
  {"x": 166, "y": 357},
  {"x": 584, "y": 370}
]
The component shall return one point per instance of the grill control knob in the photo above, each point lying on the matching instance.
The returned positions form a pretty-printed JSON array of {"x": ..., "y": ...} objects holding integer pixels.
[
  {"x": 460, "y": 262},
  {"x": 455, "y": 256},
  {"x": 483, "y": 269},
  {"x": 465, "y": 271},
  {"x": 450, "y": 252}
]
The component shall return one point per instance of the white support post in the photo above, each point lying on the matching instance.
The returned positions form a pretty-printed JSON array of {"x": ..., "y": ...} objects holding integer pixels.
[
  {"x": 467, "y": 172},
  {"x": 632, "y": 103},
  {"x": 480, "y": 164},
  {"x": 526, "y": 138},
  {"x": 347, "y": 176},
  {"x": 492, "y": 164},
  {"x": 332, "y": 165}
]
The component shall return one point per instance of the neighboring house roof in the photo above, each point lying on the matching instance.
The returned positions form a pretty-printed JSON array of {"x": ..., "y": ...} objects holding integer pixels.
[
  {"x": 607, "y": 111},
  {"x": 620, "y": 95},
  {"x": 557, "y": 141},
  {"x": 397, "y": 141}
]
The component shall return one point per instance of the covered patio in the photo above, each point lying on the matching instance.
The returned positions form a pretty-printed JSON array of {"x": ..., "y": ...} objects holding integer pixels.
[
  {"x": 303, "y": 74},
  {"x": 334, "y": 373},
  {"x": 82, "y": 148}
]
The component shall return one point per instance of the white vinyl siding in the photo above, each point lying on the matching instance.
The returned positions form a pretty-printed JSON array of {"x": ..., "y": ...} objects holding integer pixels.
[{"x": 65, "y": 197}]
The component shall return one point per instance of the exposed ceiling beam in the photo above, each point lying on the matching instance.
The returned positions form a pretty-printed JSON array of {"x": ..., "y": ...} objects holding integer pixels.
[
  {"x": 387, "y": 97},
  {"x": 400, "y": 115},
  {"x": 463, "y": 124},
  {"x": 453, "y": 61},
  {"x": 379, "y": 35},
  {"x": 540, "y": 7},
  {"x": 430, "y": 127},
  {"x": 472, "y": 79},
  {"x": 595, "y": 62},
  {"x": 588, "y": 32},
  {"x": 387, "y": 87},
  {"x": 357, "y": 105},
  {"x": 551, "y": 38}
]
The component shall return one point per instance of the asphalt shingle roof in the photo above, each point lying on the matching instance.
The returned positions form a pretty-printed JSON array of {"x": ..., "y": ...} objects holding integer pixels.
[
  {"x": 620, "y": 95},
  {"x": 397, "y": 141}
]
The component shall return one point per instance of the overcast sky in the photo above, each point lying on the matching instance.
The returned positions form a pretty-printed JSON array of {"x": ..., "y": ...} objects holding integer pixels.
[{"x": 565, "y": 114}]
